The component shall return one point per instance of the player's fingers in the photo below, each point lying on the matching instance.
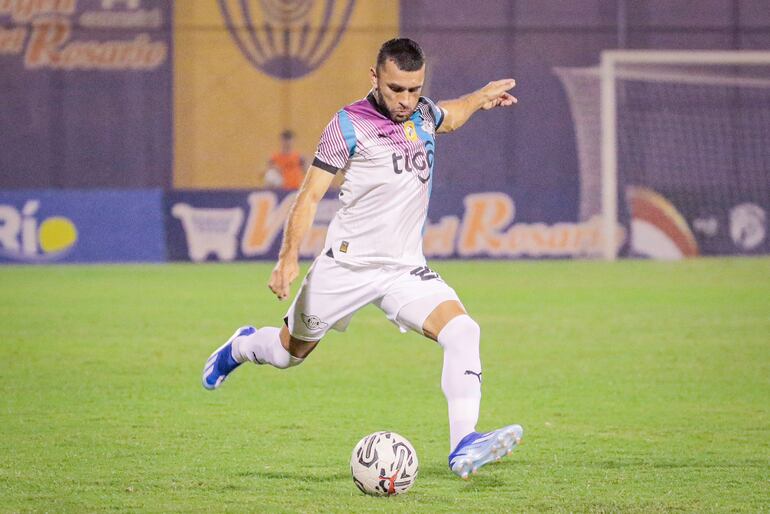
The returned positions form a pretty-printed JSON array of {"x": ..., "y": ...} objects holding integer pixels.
[
  {"x": 507, "y": 99},
  {"x": 285, "y": 289},
  {"x": 504, "y": 84},
  {"x": 285, "y": 285},
  {"x": 276, "y": 285}
]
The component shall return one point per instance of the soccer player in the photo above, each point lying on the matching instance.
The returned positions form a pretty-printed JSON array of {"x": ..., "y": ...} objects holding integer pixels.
[{"x": 385, "y": 146}]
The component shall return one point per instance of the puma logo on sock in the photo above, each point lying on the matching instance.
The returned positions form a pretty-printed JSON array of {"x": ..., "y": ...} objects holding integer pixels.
[{"x": 478, "y": 375}]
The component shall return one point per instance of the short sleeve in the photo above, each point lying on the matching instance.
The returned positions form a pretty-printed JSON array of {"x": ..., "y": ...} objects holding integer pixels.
[
  {"x": 337, "y": 144},
  {"x": 435, "y": 111}
]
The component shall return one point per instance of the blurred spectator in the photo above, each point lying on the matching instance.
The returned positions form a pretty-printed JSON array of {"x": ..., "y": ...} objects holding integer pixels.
[{"x": 286, "y": 168}]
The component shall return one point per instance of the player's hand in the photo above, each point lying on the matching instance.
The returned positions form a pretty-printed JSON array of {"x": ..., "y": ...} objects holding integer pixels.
[
  {"x": 495, "y": 94},
  {"x": 283, "y": 275}
]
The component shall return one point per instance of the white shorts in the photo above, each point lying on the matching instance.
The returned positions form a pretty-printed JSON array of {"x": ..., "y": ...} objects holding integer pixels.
[{"x": 333, "y": 291}]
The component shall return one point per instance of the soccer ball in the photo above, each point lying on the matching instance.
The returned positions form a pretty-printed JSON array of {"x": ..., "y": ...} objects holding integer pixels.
[{"x": 384, "y": 464}]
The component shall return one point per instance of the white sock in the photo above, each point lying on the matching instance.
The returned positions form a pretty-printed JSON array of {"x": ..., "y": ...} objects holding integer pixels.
[
  {"x": 264, "y": 347},
  {"x": 461, "y": 376}
]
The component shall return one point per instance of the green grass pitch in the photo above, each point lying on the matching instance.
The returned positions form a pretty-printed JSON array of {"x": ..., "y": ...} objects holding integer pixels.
[{"x": 641, "y": 386}]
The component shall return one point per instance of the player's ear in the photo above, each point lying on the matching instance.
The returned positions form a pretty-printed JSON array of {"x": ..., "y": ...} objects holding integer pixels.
[{"x": 373, "y": 77}]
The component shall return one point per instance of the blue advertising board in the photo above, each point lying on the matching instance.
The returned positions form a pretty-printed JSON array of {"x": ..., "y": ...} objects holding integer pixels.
[
  {"x": 238, "y": 225},
  {"x": 50, "y": 226}
]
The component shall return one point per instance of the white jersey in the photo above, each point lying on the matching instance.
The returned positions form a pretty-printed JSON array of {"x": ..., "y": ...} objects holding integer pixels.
[{"x": 388, "y": 170}]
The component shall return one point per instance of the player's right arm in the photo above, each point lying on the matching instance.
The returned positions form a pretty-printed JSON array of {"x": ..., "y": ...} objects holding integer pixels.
[
  {"x": 459, "y": 110},
  {"x": 334, "y": 149},
  {"x": 300, "y": 219}
]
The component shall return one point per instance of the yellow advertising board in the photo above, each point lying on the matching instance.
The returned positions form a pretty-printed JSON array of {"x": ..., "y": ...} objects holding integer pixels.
[{"x": 247, "y": 70}]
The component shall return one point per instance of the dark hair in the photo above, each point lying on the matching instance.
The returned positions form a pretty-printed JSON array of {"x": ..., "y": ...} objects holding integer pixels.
[
  {"x": 406, "y": 53},
  {"x": 287, "y": 134}
]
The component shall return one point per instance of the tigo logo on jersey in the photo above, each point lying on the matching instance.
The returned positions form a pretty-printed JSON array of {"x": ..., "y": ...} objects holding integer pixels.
[
  {"x": 419, "y": 163},
  {"x": 25, "y": 238}
]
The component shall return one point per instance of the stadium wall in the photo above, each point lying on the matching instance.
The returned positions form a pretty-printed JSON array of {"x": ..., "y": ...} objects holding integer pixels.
[
  {"x": 125, "y": 94},
  {"x": 85, "y": 94}
]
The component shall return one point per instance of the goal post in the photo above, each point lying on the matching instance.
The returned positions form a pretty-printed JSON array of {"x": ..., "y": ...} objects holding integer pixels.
[{"x": 692, "y": 125}]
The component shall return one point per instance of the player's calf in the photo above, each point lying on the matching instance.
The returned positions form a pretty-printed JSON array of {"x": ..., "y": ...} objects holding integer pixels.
[
  {"x": 273, "y": 346},
  {"x": 260, "y": 346}
]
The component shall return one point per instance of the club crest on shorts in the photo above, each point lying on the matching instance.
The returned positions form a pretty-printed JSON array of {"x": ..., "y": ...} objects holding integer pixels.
[
  {"x": 312, "y": 322},
  {"x": 286, "y": 39}
]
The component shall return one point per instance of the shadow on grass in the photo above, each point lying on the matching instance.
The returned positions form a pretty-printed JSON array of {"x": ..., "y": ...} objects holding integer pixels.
[{"x": 486, "y": 480}]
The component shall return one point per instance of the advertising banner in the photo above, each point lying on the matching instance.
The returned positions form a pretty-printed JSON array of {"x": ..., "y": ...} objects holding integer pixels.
[
  {"x": 53, "y": 226},
  {"x": 86, "y": 93},
  {"x": 226, "y": 226},
  {"x": 230, "y": 225},
  {"x": 676, "y": 223}
]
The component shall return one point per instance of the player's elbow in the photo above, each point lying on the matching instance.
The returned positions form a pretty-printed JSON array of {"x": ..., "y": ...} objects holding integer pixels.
[
  {"x": 448, "y": 125},
  {"x": 310, "y": 196}
]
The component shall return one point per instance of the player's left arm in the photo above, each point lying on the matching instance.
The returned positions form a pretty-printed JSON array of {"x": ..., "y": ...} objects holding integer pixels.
[{"x": 459, "y": 110}]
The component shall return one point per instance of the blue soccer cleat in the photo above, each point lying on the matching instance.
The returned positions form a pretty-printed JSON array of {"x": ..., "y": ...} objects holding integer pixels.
[
  {"x": 476, "y": 450},
  {"x": 221, "y": 363}
]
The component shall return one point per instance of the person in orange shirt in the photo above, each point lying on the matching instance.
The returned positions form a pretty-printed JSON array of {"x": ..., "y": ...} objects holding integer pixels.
[{"x": 286, "y": 168}]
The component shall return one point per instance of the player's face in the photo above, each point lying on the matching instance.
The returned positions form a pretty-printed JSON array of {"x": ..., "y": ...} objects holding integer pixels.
[{"x": 397, "y": 91}]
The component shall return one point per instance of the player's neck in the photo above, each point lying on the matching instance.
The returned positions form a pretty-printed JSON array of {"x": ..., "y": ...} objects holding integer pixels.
[{"x": 372, "y": 98}]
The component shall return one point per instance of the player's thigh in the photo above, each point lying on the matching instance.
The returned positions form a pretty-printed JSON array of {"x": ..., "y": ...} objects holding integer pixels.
[
  {"x": 329, "y": 295},
  {"x": 418, "y": 297}
]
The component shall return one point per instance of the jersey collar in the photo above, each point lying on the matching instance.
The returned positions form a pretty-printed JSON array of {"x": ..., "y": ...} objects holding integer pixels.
[{"x": 373, "y": 100}]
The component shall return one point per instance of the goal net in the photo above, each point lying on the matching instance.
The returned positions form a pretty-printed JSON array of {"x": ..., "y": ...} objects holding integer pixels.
[{"x": 674, "y": 147}]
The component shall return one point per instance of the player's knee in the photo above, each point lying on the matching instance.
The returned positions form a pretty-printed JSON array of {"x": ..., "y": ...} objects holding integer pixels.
[
  {"x": 460, "y": 331},
  {"x": 297, "y": 349},
  {"x": 289, "y": 362},
  {"x": 291, "y": 357}
]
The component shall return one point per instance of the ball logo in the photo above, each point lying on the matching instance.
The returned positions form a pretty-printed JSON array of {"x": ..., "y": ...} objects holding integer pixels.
[{"x": 286, "y": 39}]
